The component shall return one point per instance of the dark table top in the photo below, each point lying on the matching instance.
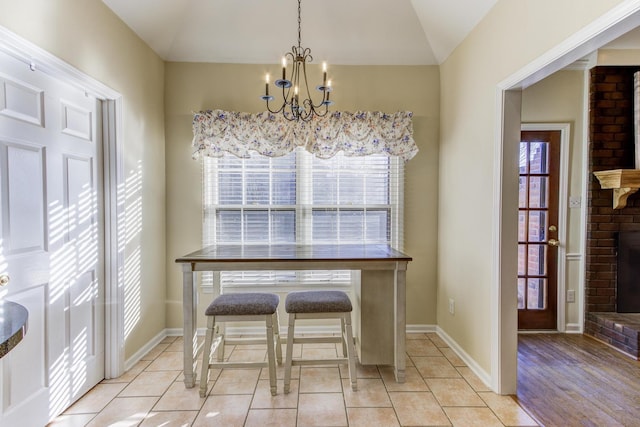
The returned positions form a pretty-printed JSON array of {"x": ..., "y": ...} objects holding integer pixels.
[
  {"x": 293, "y": 252},
  {"x": 13, "y": 325}
]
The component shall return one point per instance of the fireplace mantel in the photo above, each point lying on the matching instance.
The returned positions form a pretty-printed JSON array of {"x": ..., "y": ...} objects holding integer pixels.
[{"x": 624, "y": 183}]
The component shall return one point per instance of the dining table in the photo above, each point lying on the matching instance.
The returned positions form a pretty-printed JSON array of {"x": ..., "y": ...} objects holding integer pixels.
[{"x": 378, "y": 297}]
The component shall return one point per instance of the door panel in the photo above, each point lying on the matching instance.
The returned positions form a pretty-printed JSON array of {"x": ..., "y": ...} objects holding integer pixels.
[
  {"x": 537, "y": 229},
  {"x": 23, "y": 223},
  {"x": 51, "y": 244}
]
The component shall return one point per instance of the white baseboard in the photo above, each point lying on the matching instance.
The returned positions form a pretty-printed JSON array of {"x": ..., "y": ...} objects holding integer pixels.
[
  {"x": 310, "y": 330},
  {"x": 417, "y": 329},
  {"x": 135, "y": 358},
  {"x": 573, "y": 328},
  {"x": 484, "y": 376}
]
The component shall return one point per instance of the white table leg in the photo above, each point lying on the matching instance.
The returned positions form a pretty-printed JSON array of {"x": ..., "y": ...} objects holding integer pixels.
[
  {"x": 400, "y": 305},
  {"x": 189, "y": 306}
]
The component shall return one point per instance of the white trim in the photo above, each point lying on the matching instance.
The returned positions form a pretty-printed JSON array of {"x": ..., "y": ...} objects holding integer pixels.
[
  {"x": 574, "y": 328},
  {"x": 114, "y": 235},
  {"x": 138, "y": 355},
  {"x": 260, "y": 331},
  {"x": 563, "y": 197},
  {"x": 420, "y": 329},
  {"x": 580, "y": 300},
  {"x": 504, "y": 312},
  {"x": 44, "y": 61},
  {"x": 468, "y": 360},
  {"x": 617, "y": 21}
]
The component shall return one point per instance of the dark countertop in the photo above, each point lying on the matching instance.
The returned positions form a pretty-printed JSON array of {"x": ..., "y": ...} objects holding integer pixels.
[
  {"x": 293, "y": 252},
  {"x": 13, "y": 325}
]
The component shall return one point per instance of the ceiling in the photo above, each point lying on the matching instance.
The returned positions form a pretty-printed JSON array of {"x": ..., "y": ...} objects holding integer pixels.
[{"x": 347, "y": 32}]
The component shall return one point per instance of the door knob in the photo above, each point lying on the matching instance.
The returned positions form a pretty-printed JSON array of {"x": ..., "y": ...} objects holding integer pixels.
[
  {"x": 4, "y": 279},
  {"x": 553, "y": 242}
]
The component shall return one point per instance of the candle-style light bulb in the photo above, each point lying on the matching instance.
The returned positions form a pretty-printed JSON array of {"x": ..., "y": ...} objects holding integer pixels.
[
  {"x": 284, "y": 68},
  {"x": 324, "y": 73},
  {"x": 266, "y": 85}
]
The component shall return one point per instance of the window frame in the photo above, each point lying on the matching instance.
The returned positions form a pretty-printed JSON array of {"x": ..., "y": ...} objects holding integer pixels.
[{"x": 303, "y": 214}]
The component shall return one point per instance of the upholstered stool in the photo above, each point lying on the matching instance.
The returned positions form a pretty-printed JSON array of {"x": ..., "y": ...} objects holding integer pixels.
[
  {"x": 235, "y": 308},
  {"x": 320, "y": 305}
]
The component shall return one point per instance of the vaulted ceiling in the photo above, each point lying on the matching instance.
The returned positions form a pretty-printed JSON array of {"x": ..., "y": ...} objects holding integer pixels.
[{"x": 348, "y": 32}]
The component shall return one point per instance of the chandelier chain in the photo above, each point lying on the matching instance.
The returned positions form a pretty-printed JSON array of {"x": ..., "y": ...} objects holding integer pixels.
[{"x": 299, "y": 24}]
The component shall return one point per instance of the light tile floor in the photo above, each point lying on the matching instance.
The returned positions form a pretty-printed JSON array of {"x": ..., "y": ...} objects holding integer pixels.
[{"x": 440, "y": 390}]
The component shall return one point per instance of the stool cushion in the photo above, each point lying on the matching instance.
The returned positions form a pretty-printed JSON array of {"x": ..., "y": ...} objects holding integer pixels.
[
  {"x": 317, "y": 302},
  {"x": 243, "y": 304}
]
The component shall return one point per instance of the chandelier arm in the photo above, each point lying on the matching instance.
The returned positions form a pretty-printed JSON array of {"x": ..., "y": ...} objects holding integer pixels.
[{"x": 312, "y": 105}]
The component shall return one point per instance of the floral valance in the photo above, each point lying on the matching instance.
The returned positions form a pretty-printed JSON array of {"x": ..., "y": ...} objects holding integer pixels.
[{"x": 356, "y": 134}]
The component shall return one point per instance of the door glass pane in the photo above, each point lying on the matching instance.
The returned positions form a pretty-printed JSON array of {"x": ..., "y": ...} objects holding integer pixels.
[
  {"x": 522, "y": 226},
  {"x": 521, "y": 284},
  {"x": 522, "y": 192},
  {"x": 536, "y": 294},
  {"x": 538, "y": 159},
  {"x": 538, "y": 186},
  {"x": 523, "y": 157},
  {"x": 522, "y": 260},
  {"x": 536, "y": 260},
  {"x": 537, "y": 226}
]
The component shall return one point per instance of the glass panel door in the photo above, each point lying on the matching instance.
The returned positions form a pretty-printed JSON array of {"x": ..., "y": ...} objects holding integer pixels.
[{"x": 537, "y": 229}]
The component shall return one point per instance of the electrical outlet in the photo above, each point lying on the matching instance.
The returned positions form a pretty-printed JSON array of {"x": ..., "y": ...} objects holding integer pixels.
[
  {"x": 452, "y": 306},
  {"x": 571, "y": 295},
  {"x": 575, "y": 201}
]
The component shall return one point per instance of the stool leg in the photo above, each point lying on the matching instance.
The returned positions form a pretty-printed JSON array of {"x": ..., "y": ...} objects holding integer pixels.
[
  {"x": 276, "y": 331},
  {"x": 206, "y": 352},
  {"x": 221, "y": 333},
  {"x": 289, "y": 356},
  {"x": 271, "y": 355},
  {"x": 344, "y": 341},
  {"x": 351, "y": 352}
]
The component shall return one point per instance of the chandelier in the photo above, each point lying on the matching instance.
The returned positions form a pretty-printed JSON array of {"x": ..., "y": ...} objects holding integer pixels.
[{"x": 294, "y": 107}]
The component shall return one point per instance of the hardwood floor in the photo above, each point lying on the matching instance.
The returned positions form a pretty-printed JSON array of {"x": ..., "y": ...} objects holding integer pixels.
[{"x": 574, "y": 380}]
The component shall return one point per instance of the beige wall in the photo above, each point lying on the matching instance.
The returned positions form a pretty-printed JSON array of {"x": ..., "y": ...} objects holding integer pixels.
[
  {"x": 513, "y": 34},
  {"x": 192, "y": 87},
  {"x": 87, "y": 35},
  {"x": 560, "y": 98}
]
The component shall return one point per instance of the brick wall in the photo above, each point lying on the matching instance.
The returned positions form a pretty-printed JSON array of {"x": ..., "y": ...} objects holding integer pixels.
[{"x": 611, "y": 146}]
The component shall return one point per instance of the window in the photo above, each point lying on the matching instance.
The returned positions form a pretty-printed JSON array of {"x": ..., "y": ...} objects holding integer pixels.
[{"x": 299, "y": 198}]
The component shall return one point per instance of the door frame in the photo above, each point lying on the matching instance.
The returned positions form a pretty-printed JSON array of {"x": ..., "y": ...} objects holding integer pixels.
[
  {"x": 113, "y": 168},
  {"x": 504, "y": 329},
  {"x": 563, "y": 197}
]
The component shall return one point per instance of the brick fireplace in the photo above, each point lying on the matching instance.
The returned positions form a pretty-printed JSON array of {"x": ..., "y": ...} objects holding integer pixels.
[{"x": 611, "y": 146}]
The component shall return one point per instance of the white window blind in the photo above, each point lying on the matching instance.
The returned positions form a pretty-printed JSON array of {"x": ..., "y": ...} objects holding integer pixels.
[{"x": 299, "y": 198}]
